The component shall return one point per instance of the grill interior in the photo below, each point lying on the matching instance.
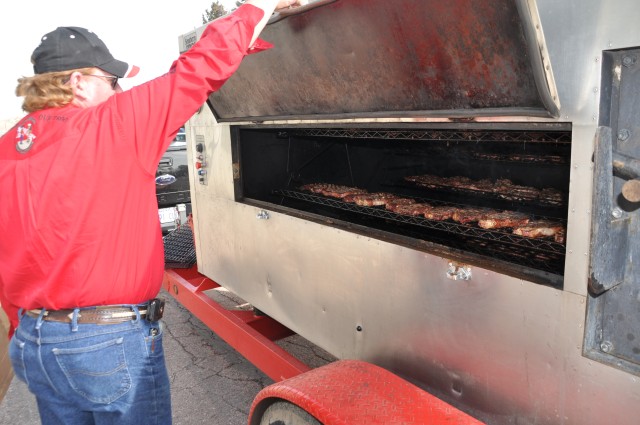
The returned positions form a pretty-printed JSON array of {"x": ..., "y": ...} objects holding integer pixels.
[{"x": 275, "y": 162}]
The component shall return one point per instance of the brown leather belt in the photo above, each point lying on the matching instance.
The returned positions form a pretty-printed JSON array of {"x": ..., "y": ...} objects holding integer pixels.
[{"x": 102, "y": 315}]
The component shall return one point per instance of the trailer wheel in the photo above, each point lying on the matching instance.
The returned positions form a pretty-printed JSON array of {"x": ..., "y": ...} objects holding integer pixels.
[{"x": 285, "y": 413}]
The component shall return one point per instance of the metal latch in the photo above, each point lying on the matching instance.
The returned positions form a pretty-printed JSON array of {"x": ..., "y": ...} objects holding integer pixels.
[{"x": 457, "y": 271}]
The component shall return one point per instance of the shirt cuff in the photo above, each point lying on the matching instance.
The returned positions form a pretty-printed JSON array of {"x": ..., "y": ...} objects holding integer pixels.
[{"x": 259, "y": 45}]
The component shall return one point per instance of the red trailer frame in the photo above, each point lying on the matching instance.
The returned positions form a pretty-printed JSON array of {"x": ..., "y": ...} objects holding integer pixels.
[{"x": 345, "y": 392}]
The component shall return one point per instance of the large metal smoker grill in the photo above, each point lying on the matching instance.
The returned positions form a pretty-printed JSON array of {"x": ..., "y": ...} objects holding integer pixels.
[
  {"x": 277, "y": 163},
  {"x": 364, "y": 93}
]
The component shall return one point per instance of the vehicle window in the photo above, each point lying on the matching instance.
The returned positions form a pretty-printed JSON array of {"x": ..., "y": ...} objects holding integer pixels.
[{"x": 180, "y": 139}]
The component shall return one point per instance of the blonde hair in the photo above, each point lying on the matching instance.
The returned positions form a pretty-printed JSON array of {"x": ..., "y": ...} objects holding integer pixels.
[{"x": 48, "y": 90}]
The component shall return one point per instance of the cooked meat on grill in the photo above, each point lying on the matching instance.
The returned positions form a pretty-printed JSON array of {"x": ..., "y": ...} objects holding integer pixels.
[
  {"x": 440, "y": 213},
  {"x": 315, "y": 187},
  {"x": 332, "y": 190},
  {"x": 503, "y": 219},
  {"x": 426, "y": 180},
  {"x": 504, "y": 188},
  {"x": 412, "y": 209},
  {"x": 484, "y": 185},
  {"x": 469, "y": 215},
  {"x": 545, "y": 159},
  {"x": 339, "y": 191},
  {"x": 539, "y": 229},
  {"x": 520, "y": 193},
  {"x": 350, "y": 197},
  {"x": 457, "y": 181},
  {"x": 560, "y": 236},
  {"x": 373, "y": 199},
  {"x": 392, "y": 204},
  {"x": 551, "y": 195}
]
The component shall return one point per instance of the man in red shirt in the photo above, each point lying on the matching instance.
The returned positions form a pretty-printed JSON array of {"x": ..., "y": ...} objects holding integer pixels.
[{"x": 81, "y": 252}]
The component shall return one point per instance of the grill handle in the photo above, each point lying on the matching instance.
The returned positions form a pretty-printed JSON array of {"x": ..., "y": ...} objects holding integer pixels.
[
  {"x": 628, "y": 168},
  {"x": 609, "y": 226}
]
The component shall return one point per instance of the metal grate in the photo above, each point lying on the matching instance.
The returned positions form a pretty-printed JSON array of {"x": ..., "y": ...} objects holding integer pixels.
[
  {"x": 538, "y": 199},
  {"x": 553, "y": 137},
  {"x": 541, "y": 254},
  {"x": 179, "y": 249}
]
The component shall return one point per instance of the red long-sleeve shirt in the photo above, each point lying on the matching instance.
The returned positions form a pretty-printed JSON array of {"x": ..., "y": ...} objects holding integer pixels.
[{"x": 78, "y": 212}]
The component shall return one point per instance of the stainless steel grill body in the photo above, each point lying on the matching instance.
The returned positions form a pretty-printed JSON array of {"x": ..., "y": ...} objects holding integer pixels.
[{"x": 505, "y": 349}]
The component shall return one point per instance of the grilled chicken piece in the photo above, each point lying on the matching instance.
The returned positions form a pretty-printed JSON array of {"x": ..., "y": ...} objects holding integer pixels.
[
  {"x": 339, "y": 191},
  {"x": 426, "y": 180},
  {"x": 551, "y": 195},
  {"x": 411, "y": 209},
  {"x": 504, "y": 188},
  {"x": 440, "y": 213},
  {"x": 539, "y": 229},
  {"x": 503, "y": 219},
  {"x": 392, "y": 204},
  {"x": 315, "y": 187},
  {"x": 332, "y": 190},
  {"x": 469, "y": 215},
  {"x": 374, "y": 199}
]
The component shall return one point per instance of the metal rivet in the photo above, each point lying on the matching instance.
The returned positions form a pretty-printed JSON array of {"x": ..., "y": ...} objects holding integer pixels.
[
  {"x": 616, "y": 213},
  {"x": 624, "y": 134},
  {"x": 628, "y": 61},
  {"x": 606, "y": 346}
]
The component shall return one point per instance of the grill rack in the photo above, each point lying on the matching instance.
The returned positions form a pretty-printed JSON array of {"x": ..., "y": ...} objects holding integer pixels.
[
  {"x": 522, "y": 199},
  {"x": 547, "y": 137},
  {"x": 493, "y": 235}
]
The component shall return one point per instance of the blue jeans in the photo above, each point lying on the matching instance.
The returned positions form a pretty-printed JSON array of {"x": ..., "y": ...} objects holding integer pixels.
[{"x": 93, "y": 374}]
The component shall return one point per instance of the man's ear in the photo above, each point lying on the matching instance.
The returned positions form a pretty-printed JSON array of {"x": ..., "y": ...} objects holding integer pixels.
[{"x": 78, "y": 84}]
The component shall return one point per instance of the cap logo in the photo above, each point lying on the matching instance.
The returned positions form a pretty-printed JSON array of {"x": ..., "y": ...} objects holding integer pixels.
[{"x": 25, "y": 136}]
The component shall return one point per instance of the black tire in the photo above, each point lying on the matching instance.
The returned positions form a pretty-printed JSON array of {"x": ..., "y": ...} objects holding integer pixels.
[{"x": 285, "y": 413}]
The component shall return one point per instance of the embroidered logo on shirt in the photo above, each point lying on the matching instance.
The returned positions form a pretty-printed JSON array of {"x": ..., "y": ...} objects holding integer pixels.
[{"x": 25, "y": 136}]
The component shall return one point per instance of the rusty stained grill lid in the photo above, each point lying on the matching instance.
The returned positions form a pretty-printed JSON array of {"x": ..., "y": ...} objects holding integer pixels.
[{"x": 400, "y": 58}]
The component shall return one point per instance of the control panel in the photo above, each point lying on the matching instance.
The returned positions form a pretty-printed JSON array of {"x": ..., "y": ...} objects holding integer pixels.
[{"x": 201, "y": 163}]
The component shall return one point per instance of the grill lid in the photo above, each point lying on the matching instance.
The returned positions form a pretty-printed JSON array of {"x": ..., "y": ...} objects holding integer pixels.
[{"x": 380, "y": 58}]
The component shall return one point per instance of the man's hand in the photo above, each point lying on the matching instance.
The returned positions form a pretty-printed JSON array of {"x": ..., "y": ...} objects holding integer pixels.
[
  {"x": 268, "y": 7},
  {"x": 287, "y": 4}
]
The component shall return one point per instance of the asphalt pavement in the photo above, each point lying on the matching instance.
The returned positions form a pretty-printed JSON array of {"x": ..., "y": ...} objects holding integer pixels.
[{"x": 210, "y": 382}]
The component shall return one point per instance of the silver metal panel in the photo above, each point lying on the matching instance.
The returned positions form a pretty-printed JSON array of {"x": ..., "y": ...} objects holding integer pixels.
[
  {"x": 403, "y": 58},
  {"x": 506, "y": 350}
]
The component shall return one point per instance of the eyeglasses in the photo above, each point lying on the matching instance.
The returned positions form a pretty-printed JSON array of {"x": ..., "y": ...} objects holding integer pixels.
[{"x": 113, "y": 78}]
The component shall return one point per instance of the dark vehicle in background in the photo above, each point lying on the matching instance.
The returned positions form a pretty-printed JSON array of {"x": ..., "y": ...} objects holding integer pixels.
[{"x": 172, "y": 185}]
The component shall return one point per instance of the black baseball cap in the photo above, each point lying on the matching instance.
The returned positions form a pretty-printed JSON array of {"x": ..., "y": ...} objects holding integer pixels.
[{"x": 67, "y": 48}]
